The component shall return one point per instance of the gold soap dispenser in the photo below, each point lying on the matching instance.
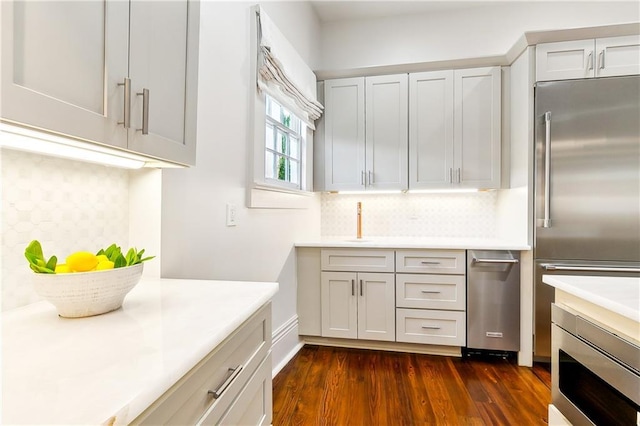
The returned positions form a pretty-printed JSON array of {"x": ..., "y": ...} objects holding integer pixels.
[{"x": 359, "y": 221}]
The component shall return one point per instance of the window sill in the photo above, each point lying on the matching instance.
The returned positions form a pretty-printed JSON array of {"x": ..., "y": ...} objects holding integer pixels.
[{"x": 271, "y": 197}]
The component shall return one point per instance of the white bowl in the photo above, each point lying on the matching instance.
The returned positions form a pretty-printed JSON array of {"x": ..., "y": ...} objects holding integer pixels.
[{"x": 84, "y": 294}]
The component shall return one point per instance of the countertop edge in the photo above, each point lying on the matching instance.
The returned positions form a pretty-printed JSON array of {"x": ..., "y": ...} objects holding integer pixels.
[{"x": 372, "y": 244}]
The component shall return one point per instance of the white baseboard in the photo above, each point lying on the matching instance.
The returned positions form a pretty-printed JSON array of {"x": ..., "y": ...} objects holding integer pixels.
[
  {"x": 285, "y": 344},
  {"x": 385, "y": 346}
]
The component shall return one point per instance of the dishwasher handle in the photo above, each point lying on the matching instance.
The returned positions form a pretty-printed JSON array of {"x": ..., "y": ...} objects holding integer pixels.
[
  {"x": 484, "y": 260},
  {"x": 586, "y": 268}
]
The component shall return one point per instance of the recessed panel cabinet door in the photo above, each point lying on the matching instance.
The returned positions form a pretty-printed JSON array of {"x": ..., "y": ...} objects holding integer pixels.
[
  {"x": 376, "y": 307},
  {"x": 339, "y": 304},
  {"x": 618, "y": 56},
  {"x": 61, "y": 65},
  {"x": 163, "y": 56}
]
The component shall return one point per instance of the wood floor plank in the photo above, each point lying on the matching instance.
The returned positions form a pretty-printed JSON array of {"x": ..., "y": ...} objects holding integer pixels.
[{"x": 335, "y": 386}]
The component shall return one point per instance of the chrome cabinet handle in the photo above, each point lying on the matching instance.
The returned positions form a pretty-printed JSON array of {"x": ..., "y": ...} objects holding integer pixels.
[
  {"x": 427, "y": 262},
  {"x": 590, "y": 61},
  {"x": 546, "y": 221},
  {"x": 431, "y": 327},
  {"x": 126, "y": 120},
  {"x": 450, "y": 174},
  {"x": 361, "y": 291},
  {"x": 601, "y": 60},
  {"x": 431, "y": 292},
  {"x": 145, "y": 111},
  {"x": 353, "y": 287},
  {"x": 370, "y": 177},
  {"x": 233, "y": 373},
  {"x": 362, "y": 179},
  {"x": 477, "y": 260},
  {"x": 587, "y": 268},
  {"x": 458, "y": 174}
]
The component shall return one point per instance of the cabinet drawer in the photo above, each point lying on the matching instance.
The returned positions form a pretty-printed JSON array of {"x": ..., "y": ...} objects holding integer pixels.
[
  {"x": 254, "y": 404},
  {"x": 431, "y": 261},
  {"x": 188, "y": 399},
  {"x": 431, "y": 327},
  {"x": 424, "y": 291},
  {"x": 369, "y": 260}
]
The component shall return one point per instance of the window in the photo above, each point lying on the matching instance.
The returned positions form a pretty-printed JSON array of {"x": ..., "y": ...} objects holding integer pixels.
[{"x": 284, "y": 146}]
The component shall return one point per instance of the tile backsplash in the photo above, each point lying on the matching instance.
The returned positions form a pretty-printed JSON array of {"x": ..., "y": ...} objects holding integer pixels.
[
  {"x": 66, "y": 205},
  {"x": 469, "y": 215}
]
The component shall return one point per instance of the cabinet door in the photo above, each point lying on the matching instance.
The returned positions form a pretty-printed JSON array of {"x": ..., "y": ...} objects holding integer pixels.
[
  {"x": 386, "y": 137},
  {"x": 61, "y": 65},
  {"x": 163, "y": 60},
  {"x": 376, "y": 307},
  {"x": 339, "y": 304},
  {"x": 477, "y": 131},
  {"x": 565, "y": 60},
  {"x": 344, "y": 134},
  {"x": 618, "y": 56},
  {"x": 430, "y": 129}
]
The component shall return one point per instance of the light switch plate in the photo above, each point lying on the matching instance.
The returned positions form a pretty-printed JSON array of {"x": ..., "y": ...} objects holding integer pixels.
[{"x": 231, "y": 215}]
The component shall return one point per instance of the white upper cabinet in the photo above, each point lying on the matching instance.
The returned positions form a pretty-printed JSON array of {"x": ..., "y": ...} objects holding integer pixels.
[
  {"x": 602, "y": 57},
  {"x": 64, "y": 65},
  {"x": 344, "y": 129},
  {"x": 61, "y": 65},
  {"x": 386, "y": 137},
  {"x": 365, "y": 133},
  {"x": 477, "y": 127},
  {"x": 455, "y": 129},
  {"x": 163, "y": 60},
  {"x": 430, "y": 129}
]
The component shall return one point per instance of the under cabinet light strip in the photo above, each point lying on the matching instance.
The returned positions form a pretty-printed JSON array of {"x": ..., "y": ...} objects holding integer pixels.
[{"x": 23, "y": 139}]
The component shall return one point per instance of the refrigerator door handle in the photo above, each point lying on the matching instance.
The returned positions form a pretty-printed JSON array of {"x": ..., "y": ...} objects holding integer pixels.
[
  {"x": 587, "y": 268},
  {"x": 546, "y": 221}
]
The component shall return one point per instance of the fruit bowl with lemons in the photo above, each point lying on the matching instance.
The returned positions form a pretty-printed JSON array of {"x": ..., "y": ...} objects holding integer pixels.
[{"x": 87, "y": 284}]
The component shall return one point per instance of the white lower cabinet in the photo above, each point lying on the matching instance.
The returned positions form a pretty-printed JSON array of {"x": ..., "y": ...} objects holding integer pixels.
[
  {"x": 358, "y": 305},
  {"x": 231, "y": 385},
  {"x": 431, "y": 327}
]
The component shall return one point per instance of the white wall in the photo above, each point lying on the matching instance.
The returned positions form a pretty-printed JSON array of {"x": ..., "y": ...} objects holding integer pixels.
[
  {"x": 486, "y": 30},
  {"x": 196, "y": 243}
]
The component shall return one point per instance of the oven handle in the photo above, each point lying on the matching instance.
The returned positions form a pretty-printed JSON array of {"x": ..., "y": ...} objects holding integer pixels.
[{"x": 587, "y": 268}]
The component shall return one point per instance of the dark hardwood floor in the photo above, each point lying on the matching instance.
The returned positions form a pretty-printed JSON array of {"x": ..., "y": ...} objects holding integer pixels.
[{"x": 336, "y": 386}]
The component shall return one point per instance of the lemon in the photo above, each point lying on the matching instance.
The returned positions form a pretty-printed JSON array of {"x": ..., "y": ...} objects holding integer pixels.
[
  {"x": 62, "y": 269},
  {"x": 102, "y": 258},
  {"x": 82, "y": 261},
  {"x": 104, "y": 264}
]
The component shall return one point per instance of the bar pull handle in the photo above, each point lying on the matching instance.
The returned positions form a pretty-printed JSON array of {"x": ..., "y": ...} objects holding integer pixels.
[
  {"x": 361, "y": 291},
  {"x": 587, "y": 268},
  {"x": 450, "y": 174},
  {"x": 428, "y": 262},
  {"x": 458, "y": 174},
  {"x": 353, "y": 287},
  {"x": 370, "y": 177},
  {"x": 477, "y": 260},
  {"x": 233, "y": 373},
  {"x": 546, "y": 221},
  {"x": 145, "y": 111},
  {"x": 431, "y": 292},
  {"x": 601, "y": 60},
  {"x": 126, "y": 120},
  {"x": 362, "y": 179},
  {"x": 431, "y": 327},
  {"x": 590, "y": 61}
]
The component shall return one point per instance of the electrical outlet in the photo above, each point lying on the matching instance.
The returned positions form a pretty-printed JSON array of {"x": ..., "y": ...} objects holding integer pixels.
[{"x": 231, "y": 215}]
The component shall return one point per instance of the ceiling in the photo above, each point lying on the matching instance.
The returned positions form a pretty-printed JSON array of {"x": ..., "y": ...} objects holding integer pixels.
[{"x": 333, "y": 10}]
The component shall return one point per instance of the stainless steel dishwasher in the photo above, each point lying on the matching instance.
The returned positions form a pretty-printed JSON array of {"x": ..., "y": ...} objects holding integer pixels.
[{"x": 493, "y": 300}]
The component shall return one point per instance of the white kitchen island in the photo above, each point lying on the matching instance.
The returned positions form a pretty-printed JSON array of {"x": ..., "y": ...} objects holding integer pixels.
[{"x": 109, "y": 369}]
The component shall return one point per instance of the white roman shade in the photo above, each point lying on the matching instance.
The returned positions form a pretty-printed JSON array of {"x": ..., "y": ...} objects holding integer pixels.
[{"x": 283, "y": 74}]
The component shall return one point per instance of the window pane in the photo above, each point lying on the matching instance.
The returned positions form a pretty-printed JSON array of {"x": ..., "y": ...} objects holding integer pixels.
[
  {"x": 294, "y": 147},
  {"x": 295, "y": 172},
  {"x": 274, "y": 110},
  {"x": 269, "y": 139},
  {"x": 283, "y": 169},
  {"x": 269, "y": 165},
  {"x": 282, "y": 145}
]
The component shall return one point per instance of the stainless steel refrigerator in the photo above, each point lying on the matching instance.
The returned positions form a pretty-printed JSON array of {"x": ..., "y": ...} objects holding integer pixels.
[{"x": 587, "y": 185}]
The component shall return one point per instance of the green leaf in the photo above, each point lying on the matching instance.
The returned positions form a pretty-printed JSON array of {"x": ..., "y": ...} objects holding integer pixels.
[
  {"x": 119, "y": 261},
  {"x": 101, "y": 251},
  {"x": 145, "y": 259},
  {"x": 35, "y": 249},
  {"x": 131, "y": 256},
  {"x": 51, "y": 264}
]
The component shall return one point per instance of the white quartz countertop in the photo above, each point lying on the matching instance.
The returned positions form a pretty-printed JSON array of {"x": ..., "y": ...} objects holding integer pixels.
[
  {"x": 416, "y": 243},
  {"x": 112, "y": 367},
  {"x": 620, "y": 295}
]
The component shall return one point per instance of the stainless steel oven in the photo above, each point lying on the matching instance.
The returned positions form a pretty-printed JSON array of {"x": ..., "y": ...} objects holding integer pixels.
[{"x": 595, "y": 374}]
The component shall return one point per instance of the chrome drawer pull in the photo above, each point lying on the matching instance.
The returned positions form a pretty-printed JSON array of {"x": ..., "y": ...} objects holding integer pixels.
[
  {"x": 431, "y": 327},
  {"x": 431, "y": 291},
  {"x": 477, "y": 260},
  {"x": 426, "y": 262},
  {"x": 233, "y": 373}
]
